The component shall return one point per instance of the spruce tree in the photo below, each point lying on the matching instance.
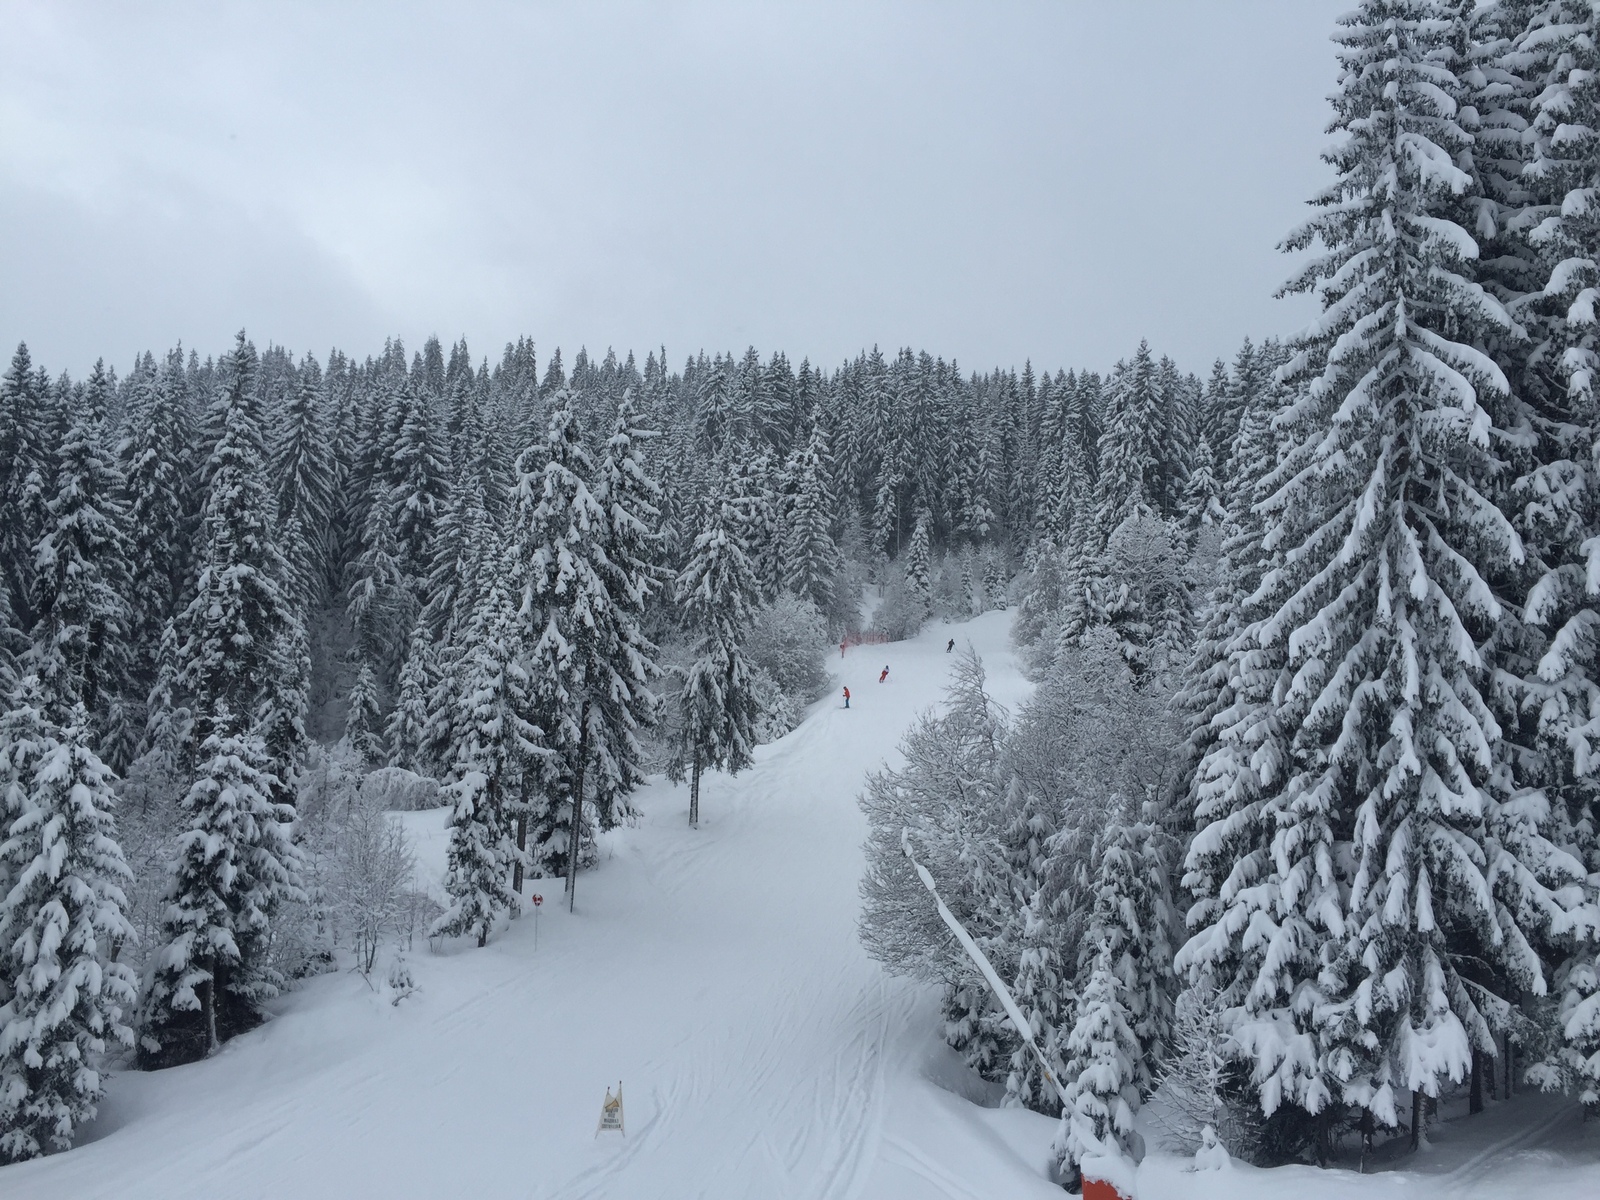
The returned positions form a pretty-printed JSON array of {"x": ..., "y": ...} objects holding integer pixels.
[
  {"x": 919, "y": 564},
  {"x": 812, "y": 560},
  {"x": 235, "y": 867},
  {"x": 406, "y": 731},
  {"x": 1397, "y": 848},
  {"x": 62, "y": 922},
  {"x": 717, "y": 592},
  {"x": 156, "y": 497},
  {"x": 1542, "y": 72},
  {"x": 305, "y": 478},
  {"x": 26, "y": 466},
  {"x": 363, "y": 721},
  {"x": 1130, "y": 447},
  {"x": 569, "y": 628},
  {"x": 80, "y": 642},
  {"x": 630, "y": 498},
  {"x": 496, "y": 756}
]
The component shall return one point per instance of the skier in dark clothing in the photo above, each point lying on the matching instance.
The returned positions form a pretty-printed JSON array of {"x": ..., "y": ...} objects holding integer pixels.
[{"x": 950, "y": 645}]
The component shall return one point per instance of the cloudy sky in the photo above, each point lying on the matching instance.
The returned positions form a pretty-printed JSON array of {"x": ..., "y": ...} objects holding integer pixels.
[{"x": 990, "y": 181}]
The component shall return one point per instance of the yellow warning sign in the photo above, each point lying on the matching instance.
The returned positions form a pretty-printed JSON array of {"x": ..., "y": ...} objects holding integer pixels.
[{"x": 611, "y": 1113}]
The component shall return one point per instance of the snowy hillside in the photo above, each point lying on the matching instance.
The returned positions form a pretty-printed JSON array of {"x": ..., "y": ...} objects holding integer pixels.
[
  {"x": 718, "y": 976},
  {"x": 716, "y": 973}
]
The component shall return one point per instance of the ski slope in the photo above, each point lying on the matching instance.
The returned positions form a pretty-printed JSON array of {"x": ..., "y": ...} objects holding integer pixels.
[{"x": 714, "y": 972}]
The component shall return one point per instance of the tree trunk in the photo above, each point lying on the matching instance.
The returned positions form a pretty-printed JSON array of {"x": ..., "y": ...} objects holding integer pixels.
[
  {"x": 1475, "y": 1095},
  {"x": 1511, "y": 1055},
  {"x": 694, "y": 791},
  {"x": 1366, "y": 1137},
  {"x": 522, "y": 848},
  {"x": 575, "y": 830},
  {"x": 208, "y": 1002},
  {"x": 1418, "y": 1109}
]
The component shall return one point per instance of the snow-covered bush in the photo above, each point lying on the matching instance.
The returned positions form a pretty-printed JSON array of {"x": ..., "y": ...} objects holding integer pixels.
[
  {"x": 372, "y": 877},
  {"x": 901, "y": 612},
  {"x": 777, "y": 711},
  {"x": 1200, "y": 1091},
  {"x": 952, "y": 587},
  {"x": 395, "y": 789},
  {"x": 788, "y": 639}
]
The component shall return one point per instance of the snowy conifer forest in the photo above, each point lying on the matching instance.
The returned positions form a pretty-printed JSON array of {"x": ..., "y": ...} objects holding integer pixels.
[{"x": 1244, "y": 716}]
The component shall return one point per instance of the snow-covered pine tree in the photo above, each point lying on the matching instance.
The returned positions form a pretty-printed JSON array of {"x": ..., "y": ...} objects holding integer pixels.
[
  {"x": 630, "y": 497},
  {"x": 1130, "y": 447},
  {"x": 812, "y": 560},
  {"x": 919, "y": 564},
  {"x": 304, "y": 476},
  {"x": 994, "y": 581},
  {"x": 62, "y": 921},
  {"x": 235, "y": 867},
  {"x": 406, "y": 731},
  {"x": 1543, "y": 66},
  {"x": 80, "y": 642},
  {"x": 241, "y": 638},
  {"x": 1383, "y": 607},
  {"x": 363, "y": 720},
  {"x": 1101, "y": 1095},
  {"x": 717, "y": 591},
  {"x": 568, "y": 628},
  {"x": 157, "y": 499},
  {"x": 1130, "y": 932},
  {"x": 496, "y": 764},
  {"x": 26, "y": 466},
  {"x": 417, "y": 497},
  {"x": 1202, "y": 495}
]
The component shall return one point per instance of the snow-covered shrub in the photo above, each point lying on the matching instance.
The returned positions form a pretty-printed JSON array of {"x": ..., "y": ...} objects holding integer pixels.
[
  {"x": 901, "y": 612},
  {"x": 1200, "y": 1091},
  {"x": 777, "y": 711},
  {"x": 788, "y": 639},
  {"x": 952, "y": 587},
  {"x": 395, "y": 789},
  {"x": 401, "y": 984},
  {"x": 372, "y": 875}
]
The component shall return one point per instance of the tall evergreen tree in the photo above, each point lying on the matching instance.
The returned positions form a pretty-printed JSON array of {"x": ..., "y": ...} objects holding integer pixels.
[
  {"x": 811, "y": 558},
  {"x": 568, "y": 628},
  {"x": 1399, "y": 847},
  {"x": 717, "y": 591},
  {"x": 497, "y": 750},
  {"x": 235, "y": 867},
  {"x": 630, "y": 498},
  {"x": 80, "y": 642},
  {"x": 62, "y": 921},
  {"x": 304, "y": 475}
]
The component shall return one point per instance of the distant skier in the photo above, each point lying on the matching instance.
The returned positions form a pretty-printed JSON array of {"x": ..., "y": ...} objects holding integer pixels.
[
  {"x": 842, "y": 645},
  {"x": 950, "y": 645},
  {"x": 884, "y": 674},
  {"x": 847, "y": 697}
]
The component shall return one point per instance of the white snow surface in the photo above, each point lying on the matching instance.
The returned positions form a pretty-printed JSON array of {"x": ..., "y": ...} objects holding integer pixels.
[{"x": 717, "y": 974}]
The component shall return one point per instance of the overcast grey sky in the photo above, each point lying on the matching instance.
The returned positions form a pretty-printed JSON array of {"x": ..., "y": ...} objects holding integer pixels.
[{"x": 991, "y": 181}]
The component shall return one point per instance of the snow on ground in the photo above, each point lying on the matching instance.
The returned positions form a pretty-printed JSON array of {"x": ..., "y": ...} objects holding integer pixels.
[{"x": 717, "y": 975}]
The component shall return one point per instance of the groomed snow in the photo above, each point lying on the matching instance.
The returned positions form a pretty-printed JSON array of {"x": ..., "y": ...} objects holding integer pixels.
[{"x": 717, "y": 974}]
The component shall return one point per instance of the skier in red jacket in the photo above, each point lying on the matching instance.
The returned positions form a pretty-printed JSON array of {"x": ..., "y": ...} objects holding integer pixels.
[
  {"x": 847, "y": 697},
  {"x": 883, "y": 675}
]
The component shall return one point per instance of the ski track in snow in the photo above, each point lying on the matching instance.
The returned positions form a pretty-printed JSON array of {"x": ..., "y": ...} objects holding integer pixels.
[{"x": 716, "y": 972}]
